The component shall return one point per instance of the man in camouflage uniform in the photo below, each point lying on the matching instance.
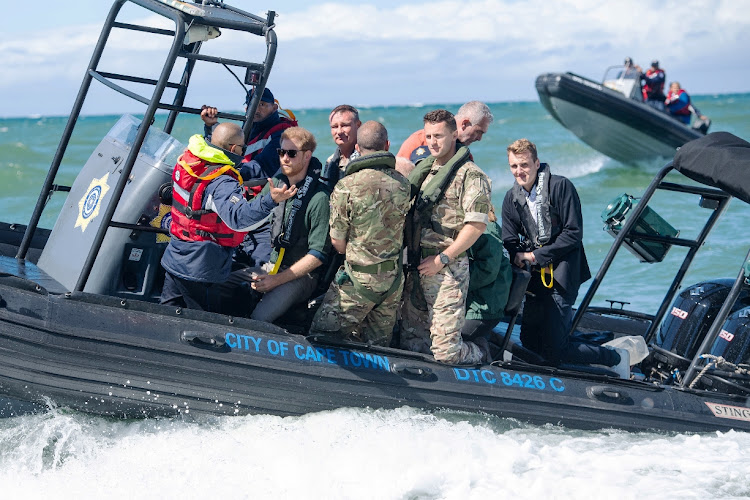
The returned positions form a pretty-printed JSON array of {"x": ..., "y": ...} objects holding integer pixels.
[
  {"x": 452, "y": 207},
  {"x": 368, "y": 210}
]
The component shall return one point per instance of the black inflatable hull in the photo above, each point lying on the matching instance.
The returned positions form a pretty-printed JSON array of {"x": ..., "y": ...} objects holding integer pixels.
[
  {"x": 112, "y": 357},
  {"x": 609, "y": 122}
]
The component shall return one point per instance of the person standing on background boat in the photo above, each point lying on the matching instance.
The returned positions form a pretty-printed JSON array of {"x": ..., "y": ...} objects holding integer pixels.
[
  {"x": 299, "y": 230},
  {"x": 630, "y": 70},
  {"x": 344, "y": 122},
  {"x": 653, "y": 86},
  {"x": 210, "y": 216},
  {"x": 450, "y": 213},
  {"x": 543, "y": 228},
  {"x": 368, "y": 211},
  {"x": 679, "y": 106},
  {"x": 473, "y": 119}
]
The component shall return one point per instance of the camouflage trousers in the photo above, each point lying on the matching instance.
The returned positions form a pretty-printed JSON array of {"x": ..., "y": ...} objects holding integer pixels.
[
  {"x": 437, "y": 327},
  {"x": 348, "y": 314}
]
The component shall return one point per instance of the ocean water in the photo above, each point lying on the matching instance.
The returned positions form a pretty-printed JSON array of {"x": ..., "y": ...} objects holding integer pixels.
[{"x": 404, "y": 453}]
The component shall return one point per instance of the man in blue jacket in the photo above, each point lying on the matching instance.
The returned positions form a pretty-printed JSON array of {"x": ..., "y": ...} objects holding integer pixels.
[{"x": 210, "y": 216}]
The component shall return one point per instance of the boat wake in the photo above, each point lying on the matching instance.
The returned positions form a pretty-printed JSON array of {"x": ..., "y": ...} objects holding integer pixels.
[
  {"x": 325, "y": 455},
  {"x": 582, "y": 169}
]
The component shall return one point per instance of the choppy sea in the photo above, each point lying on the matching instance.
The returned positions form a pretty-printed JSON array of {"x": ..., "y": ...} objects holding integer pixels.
[{"x": 403, "y": 453}]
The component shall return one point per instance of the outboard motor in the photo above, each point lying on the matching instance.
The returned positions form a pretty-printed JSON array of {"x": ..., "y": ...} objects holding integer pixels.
[
  {"x": 684, "y": 329},
  {"x": 128, "y": 261},
  {"x": 733, "y": 345}
]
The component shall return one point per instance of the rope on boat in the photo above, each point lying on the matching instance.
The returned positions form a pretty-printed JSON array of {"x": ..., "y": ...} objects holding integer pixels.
[{"x": 719, "y": 361}]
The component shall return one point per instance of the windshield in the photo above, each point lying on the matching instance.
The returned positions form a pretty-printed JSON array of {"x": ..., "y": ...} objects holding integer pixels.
[{"x": 625, "y": 80}]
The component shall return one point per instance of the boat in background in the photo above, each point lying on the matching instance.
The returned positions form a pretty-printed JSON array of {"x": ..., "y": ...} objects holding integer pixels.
[{"x": 612, "y": 118}]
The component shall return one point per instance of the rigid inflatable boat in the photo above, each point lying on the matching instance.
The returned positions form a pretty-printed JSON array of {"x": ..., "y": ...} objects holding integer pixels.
[
  {"x": 81, "y": 327},
  {"x": 611, "y": 117}
]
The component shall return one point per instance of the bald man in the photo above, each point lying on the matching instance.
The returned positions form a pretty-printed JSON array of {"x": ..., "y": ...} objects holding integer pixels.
[
  {"x": 368, "y": 210},
  {"x": 210, "y": 216}
]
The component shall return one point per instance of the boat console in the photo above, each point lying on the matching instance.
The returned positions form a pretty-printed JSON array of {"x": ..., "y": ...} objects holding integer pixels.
[{"x": 127, "y": 265}]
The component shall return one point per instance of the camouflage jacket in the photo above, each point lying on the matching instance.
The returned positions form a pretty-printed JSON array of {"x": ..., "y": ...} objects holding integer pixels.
[
  {"x": 465, "y": 199},
  {"x": 368, "y": 209}
]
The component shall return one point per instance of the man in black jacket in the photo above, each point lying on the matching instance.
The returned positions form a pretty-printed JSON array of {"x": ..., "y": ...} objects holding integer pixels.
[{"x": 543, "y": 226}]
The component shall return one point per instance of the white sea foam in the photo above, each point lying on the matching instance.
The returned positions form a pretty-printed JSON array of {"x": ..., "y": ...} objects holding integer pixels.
[
  {"x": 583, "y": 168},
  {"x": 349, "y": 453}
]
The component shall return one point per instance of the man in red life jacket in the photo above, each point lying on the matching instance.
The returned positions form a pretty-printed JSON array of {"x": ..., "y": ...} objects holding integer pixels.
[
  {"x": 679, "y": 106},
  {"x": 210, "y": 216},
  {"x": 265, "y": 135},
  {"x": 653, "y": 86}
]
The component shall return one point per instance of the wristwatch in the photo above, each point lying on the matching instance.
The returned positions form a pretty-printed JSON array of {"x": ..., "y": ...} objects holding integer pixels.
[{"x": 444, "y": 259}]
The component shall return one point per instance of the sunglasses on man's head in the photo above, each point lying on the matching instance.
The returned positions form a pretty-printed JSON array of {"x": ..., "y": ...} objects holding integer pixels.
[{"x": 291, "y": 153}]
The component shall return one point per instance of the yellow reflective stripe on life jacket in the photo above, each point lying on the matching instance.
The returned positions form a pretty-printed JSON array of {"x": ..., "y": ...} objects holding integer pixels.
[
  {"x": 213, "y": 175},
  {"x": 551, "y": 276},
  {"x": 203, "y": 150},
  {"x": 200, "y": 148}
]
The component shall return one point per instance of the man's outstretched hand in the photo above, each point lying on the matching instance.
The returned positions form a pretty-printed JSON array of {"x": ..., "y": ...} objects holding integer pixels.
[{"x": 281, "y": 193}]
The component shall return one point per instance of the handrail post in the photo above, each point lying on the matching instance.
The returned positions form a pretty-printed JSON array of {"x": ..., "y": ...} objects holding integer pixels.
[{"x": 135, "y": 149}]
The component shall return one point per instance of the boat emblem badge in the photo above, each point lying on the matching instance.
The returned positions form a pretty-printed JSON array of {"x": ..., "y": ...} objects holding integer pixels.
[{"x": 89, "y": 205}]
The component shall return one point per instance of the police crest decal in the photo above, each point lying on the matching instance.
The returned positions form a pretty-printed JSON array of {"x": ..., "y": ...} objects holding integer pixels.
[{"x": 89, "y": 205}]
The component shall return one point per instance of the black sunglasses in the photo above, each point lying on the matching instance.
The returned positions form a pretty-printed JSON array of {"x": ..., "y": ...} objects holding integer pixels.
[
  {"x": 292, "y": 153},
  {"x": 243, "y": 148}
]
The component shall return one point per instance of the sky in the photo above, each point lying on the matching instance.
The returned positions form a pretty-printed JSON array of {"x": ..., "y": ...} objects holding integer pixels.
[{"x": 387, "y": 52}]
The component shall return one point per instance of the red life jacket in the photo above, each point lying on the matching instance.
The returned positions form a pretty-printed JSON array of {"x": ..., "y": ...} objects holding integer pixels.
[
  {"x": 672, "y": 102},
  {"x": 256, "y": 144},
  {"x": 190, "y": 222}
]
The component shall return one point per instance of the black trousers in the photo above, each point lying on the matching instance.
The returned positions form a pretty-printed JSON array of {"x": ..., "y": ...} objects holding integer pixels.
[
  {"x": 180, "y": 292},
  {"x": 547, "y": 317}
]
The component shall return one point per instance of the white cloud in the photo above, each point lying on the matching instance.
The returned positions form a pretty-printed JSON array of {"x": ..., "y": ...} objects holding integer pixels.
[{"x": 445, "y": 51}]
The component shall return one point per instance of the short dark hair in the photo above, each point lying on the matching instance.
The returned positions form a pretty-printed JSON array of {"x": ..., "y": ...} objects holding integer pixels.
[
  {"x": 441, "y": 116},
  {"x": 523, "y": 146},
  {"x": 344, "y": 108},
  {"x": 372, "y": 136}
]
